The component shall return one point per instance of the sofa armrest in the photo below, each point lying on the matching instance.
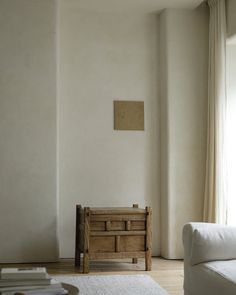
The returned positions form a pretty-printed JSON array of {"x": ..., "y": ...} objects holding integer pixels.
[
  {"x": 187, "y": 237},
  {"x": 208, "y": 242}
]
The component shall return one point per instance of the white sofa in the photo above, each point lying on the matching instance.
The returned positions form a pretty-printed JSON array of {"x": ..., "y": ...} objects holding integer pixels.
[{"x": 209, "y": 259}]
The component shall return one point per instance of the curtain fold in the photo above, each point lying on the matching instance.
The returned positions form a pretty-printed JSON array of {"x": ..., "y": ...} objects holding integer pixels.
[{"x": 215, "y": 201}]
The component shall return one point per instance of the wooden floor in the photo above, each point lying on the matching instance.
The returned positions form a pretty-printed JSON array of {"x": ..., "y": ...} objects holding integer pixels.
[{"x": 168, "y": 273}]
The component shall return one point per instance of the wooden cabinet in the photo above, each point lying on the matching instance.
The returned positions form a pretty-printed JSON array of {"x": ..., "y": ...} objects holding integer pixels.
[{"x": 106, "y": 233}]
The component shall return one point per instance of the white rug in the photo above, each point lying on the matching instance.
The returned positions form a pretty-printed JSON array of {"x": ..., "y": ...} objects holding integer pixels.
[{"x": 114, "y": 284}]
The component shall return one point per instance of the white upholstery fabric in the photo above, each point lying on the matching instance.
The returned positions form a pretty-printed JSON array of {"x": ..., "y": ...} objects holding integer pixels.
[
  {"x": 226, "y": 269},
  {"x": 213, "y": 243},
  {"x": 206, "y": 281},
  {"x": 210, "y": 278}
]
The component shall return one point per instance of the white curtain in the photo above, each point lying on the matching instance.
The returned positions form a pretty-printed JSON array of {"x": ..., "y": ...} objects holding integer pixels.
[
  {"x": 215, "y": 203},
  {"x": 231, "y": 138}
]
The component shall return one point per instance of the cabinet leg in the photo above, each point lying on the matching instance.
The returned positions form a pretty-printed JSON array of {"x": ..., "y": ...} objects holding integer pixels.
[
  {"x": 86, "y": 263},
  {"x": 77, "y": 259},
  {"x": 148, "y": 260}
]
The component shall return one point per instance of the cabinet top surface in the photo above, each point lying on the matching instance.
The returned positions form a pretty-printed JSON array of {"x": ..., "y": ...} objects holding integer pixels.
[{"x": 115, "y": 210}]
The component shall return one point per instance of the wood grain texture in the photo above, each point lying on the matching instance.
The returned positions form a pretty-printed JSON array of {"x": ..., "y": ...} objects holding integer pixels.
[
  {"x": 119, "y": 217},
  {"x": 86, "y": 239},
  {"x": 117, "y": 255},
  {"x": 78, "y": 235},
  {"x": 118, "y": 232},
  {"x": 148, "y": 257},
  {"x": 135, "y": 260},
  {"x": 108, "y": 225},
  {"x": 109, "y": 237},
  {"x": 99, "y": 244},
  {"x": 117, "y": 243},
  {"x": 128, "y": 225},
  {"x": 116, "y": 210}
]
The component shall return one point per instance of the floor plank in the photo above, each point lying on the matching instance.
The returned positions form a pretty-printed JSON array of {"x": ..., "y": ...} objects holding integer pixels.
[{"x": 168, "y": 273}]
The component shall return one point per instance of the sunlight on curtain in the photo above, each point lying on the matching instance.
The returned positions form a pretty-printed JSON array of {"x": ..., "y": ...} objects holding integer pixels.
[
  {"x": 215, "y": 200},
  {"x": 231, "y": 134},
  {"x": 231, "y": 148}
]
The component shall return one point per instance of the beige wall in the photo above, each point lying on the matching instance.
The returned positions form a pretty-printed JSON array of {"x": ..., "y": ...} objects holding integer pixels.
[
  {"x": 101, "y": 57},
  {"x": 104, "y": 57},
  {"x": 184, "y": 64},
  {"x": 27, "y": 131}
]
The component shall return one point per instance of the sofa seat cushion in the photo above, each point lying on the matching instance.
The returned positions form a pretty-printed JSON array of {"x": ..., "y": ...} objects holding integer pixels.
[
  {"x": 226, "y": 269},
  {"x": 212, "y": 278}
]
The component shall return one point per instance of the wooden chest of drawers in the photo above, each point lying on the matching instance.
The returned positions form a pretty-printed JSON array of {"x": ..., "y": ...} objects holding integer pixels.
[{"x": 106, "y": 233}]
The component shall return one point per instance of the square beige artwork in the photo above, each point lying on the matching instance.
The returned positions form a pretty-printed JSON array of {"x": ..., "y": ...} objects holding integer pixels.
[{"x": 128, "y": 115}]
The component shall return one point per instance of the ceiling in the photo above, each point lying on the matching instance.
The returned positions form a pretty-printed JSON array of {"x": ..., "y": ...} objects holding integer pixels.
[{"x": 142, "y": 6}]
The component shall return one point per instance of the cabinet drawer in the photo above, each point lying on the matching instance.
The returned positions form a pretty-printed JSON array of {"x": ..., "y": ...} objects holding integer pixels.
[
  {"x": 132, "y": 243},
  {"x": 102, "y": 244}
]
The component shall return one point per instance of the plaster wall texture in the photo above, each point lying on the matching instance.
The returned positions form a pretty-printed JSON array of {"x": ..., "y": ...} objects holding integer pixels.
[
  {"x": 105, "y": 57},
  {"x": 28, "y": 210},
  {"x": 56, "y": 119},
  {"x": 184, "y": 68}
]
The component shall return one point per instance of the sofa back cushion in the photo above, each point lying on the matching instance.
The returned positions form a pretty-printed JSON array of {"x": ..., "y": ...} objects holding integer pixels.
[{"x": 213, "y": 243}]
